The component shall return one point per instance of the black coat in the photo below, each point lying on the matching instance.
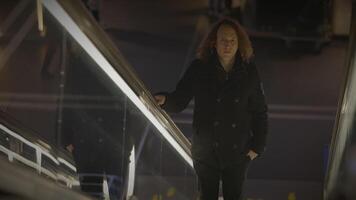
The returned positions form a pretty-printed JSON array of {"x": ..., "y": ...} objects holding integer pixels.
[{"x": 230, "y": 113}]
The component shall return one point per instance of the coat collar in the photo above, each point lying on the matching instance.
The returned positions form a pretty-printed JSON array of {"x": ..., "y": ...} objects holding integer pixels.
[
  {"x": 239, "y": 67},
  {"x": 237, "y": 76}
]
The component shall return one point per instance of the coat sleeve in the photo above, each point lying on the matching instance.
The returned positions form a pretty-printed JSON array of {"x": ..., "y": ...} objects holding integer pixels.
[
  {"x": 178, "y": 100},
  {"x": 258, "y": 108}
]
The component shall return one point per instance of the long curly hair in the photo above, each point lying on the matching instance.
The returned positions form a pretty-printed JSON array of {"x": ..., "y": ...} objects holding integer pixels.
[{"x": 207, "y": 47}]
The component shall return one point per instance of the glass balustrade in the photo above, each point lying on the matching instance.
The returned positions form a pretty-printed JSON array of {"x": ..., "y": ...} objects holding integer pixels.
[{"x": 73, "y": 112}]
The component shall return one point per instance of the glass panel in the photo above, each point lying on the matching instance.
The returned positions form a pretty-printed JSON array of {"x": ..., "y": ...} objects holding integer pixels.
[
  {"x": 64, "y": 116},
  {"x": 161, "y": 173},
  {"x": 341, "y": 175}
]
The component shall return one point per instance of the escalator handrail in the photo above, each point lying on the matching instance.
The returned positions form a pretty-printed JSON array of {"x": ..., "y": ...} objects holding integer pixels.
[{"x": 105, "y": 45}]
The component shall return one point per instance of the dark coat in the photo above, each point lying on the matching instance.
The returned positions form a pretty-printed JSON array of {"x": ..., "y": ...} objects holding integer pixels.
[{"x": 230, "y": 113}]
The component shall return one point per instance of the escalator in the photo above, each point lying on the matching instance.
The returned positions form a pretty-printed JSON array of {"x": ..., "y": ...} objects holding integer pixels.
[{"x": 75, "y": 120}]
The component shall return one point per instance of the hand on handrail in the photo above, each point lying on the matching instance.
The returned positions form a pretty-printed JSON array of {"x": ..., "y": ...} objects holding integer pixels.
[{"x": 160, "y": 99}]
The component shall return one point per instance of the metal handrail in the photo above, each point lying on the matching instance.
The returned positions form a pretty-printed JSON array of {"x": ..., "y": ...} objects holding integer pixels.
[
  {"x": 27, "y": 185},
  {"x": 105, "y": 45}
]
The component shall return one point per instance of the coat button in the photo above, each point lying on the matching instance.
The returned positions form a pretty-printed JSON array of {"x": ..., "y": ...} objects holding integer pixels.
[
  {"x": 216, "y": 123},
  {"x": 100, "y": 140},
  {"x": 234, "y": 125},
  {"x": 216, "y": 144},
  {"x": 237, "y": 100},
  {"x": 218, "y": 100}
]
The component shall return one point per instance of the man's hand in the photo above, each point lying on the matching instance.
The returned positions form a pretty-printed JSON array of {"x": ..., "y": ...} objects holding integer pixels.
[
  {"x": 70, "y": 148},
  {"x": 252, "y": 154},
  {"x": 160, "y": 99}
]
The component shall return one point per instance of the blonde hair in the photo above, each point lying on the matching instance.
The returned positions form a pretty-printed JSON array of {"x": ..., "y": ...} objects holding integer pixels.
[{"x": 207, "y": 46}]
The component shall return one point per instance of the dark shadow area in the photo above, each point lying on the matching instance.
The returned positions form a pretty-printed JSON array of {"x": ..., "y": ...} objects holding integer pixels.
[{"x": 147, "y": 39}]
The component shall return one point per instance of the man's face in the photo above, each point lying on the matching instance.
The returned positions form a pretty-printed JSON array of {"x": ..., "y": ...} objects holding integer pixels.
[{"x": 226, "y": 42}]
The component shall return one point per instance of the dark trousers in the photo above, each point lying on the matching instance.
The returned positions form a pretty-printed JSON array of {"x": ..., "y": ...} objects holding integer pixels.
[{"x": 232, "y": 177}]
